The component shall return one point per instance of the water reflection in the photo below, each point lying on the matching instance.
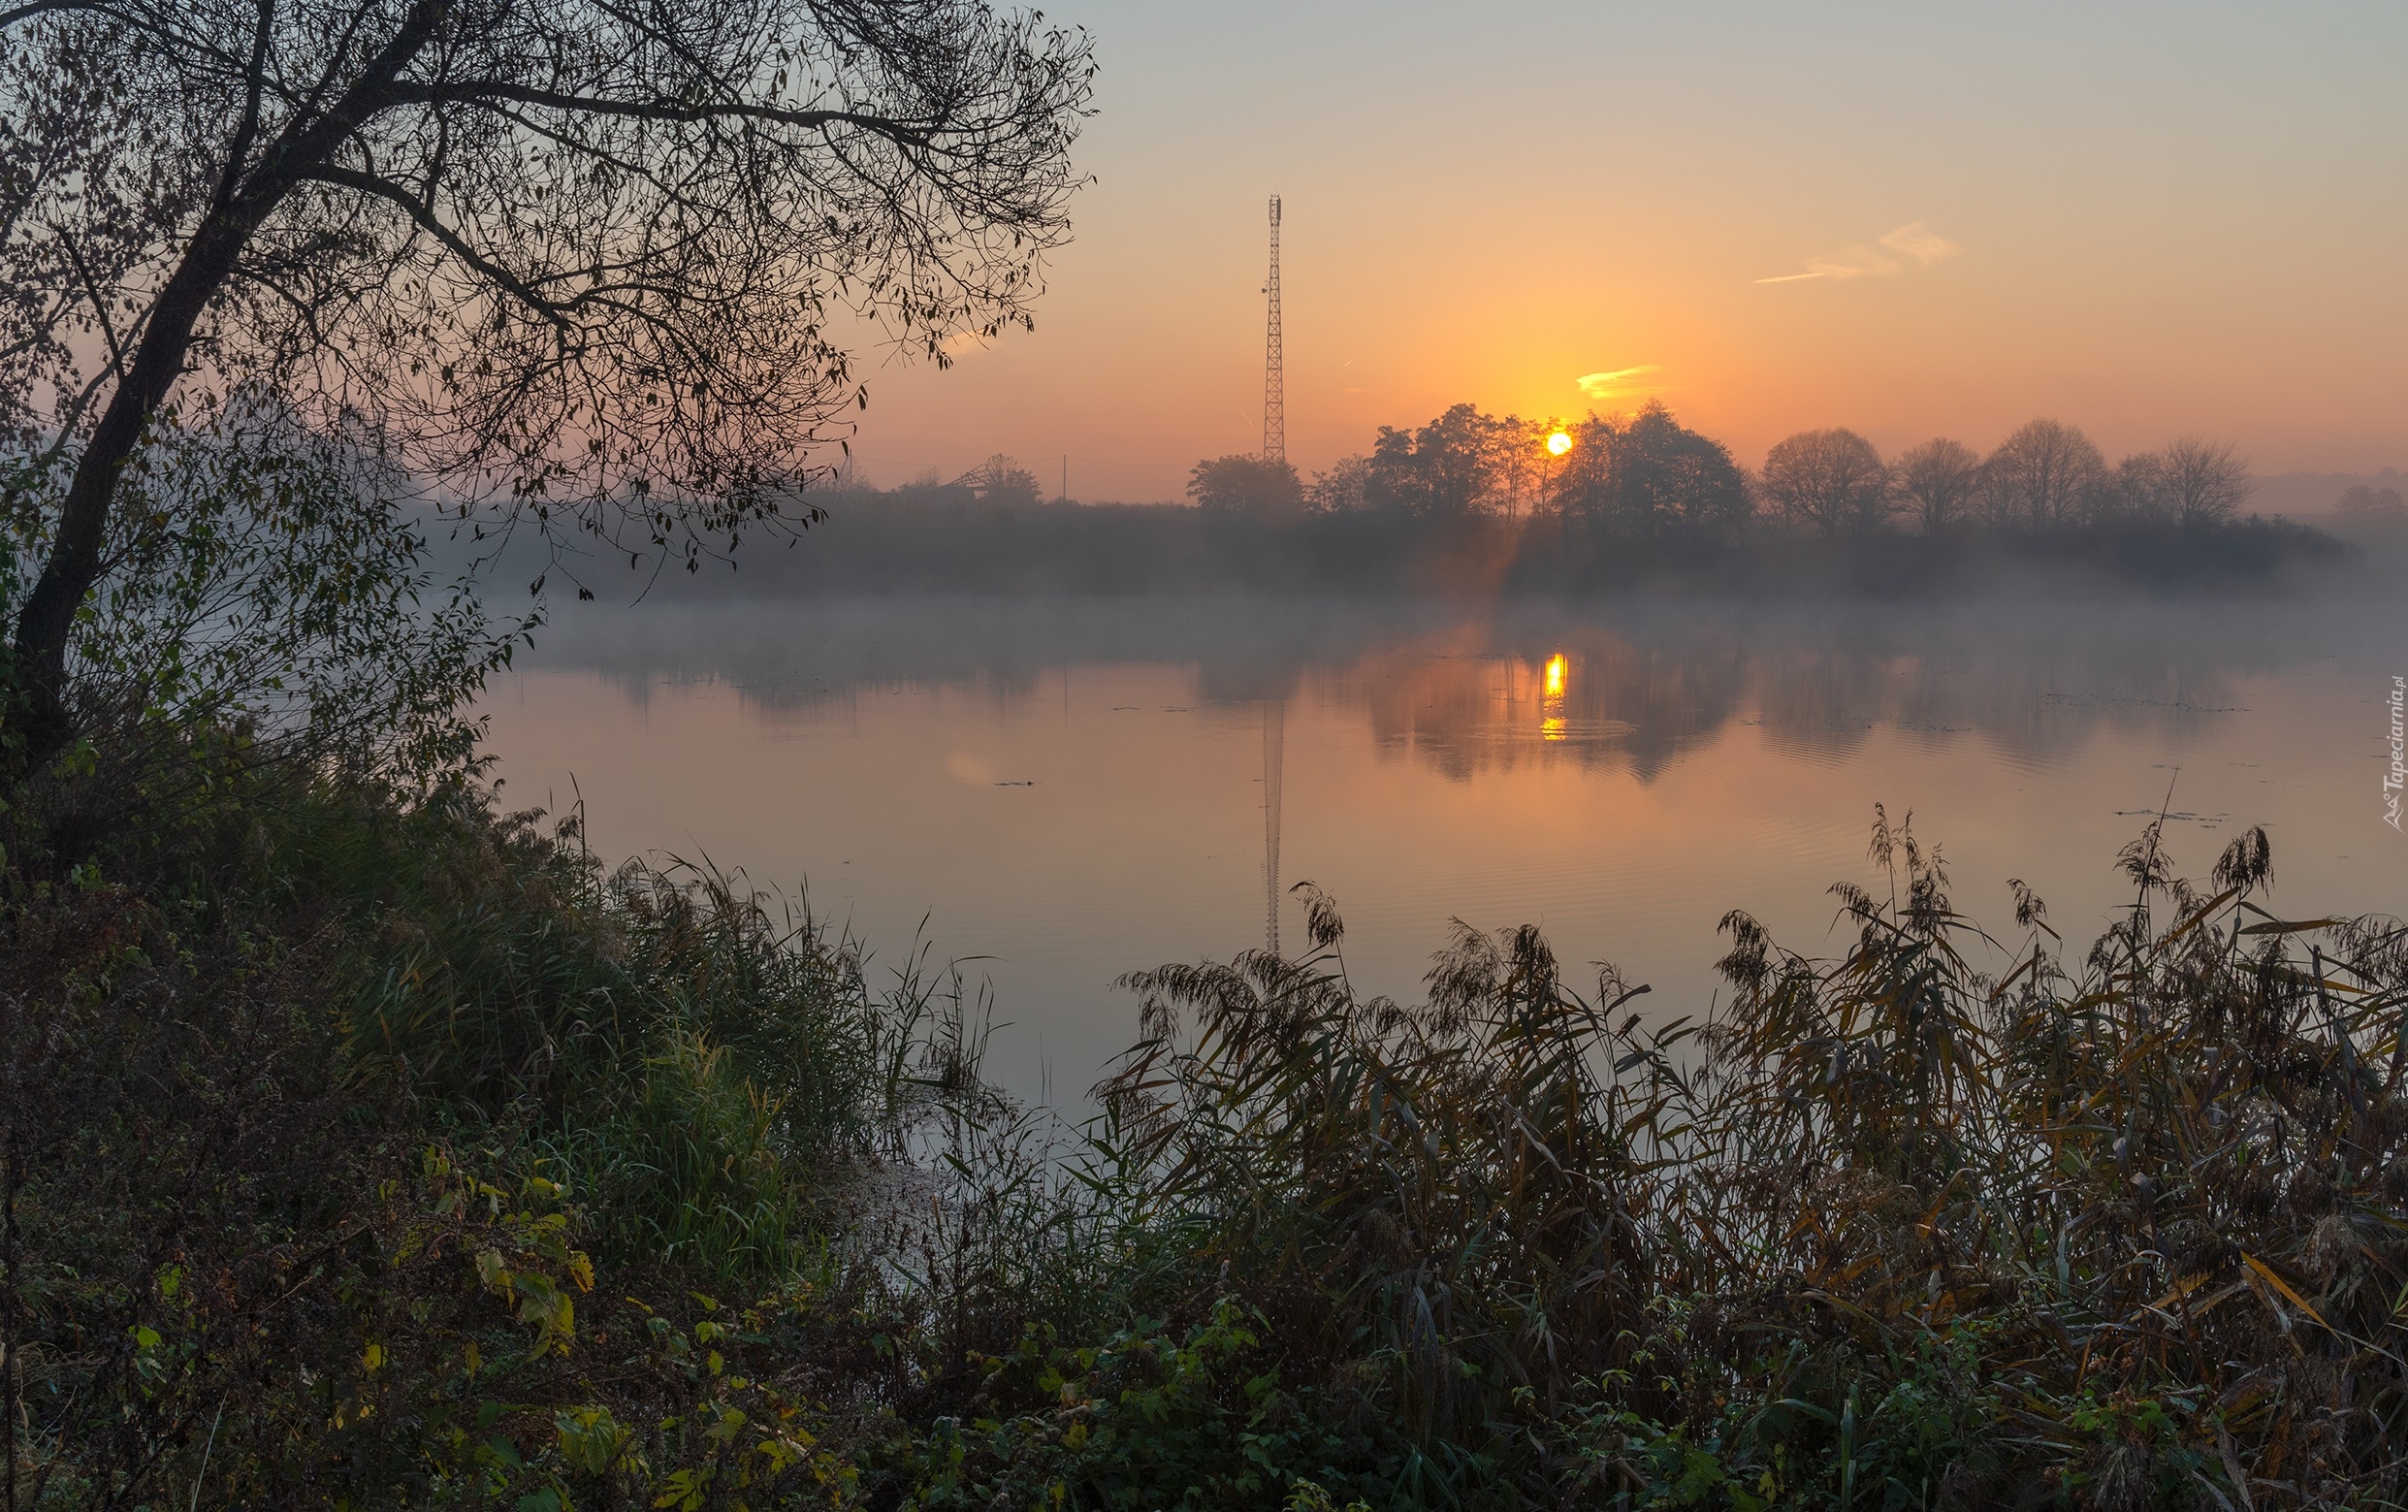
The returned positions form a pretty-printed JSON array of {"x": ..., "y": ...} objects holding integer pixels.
[
  {"x": 1604, "y": 701},
  {"x": 1066, "y": 790},
  {"x": 1632, "y": 691}
]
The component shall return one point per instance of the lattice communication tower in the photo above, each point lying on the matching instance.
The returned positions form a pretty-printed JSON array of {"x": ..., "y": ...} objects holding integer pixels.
[
  {"x": 1275, "y": 710},
  {"x": 1274, "y": 379}
]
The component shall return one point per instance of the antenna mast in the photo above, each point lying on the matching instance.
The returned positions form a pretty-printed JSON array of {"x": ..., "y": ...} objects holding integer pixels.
[{"x": 1274, "y": 378}]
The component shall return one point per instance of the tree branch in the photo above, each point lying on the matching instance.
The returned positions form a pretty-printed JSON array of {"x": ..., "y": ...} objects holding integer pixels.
[
  {"x": 423, "y": 215},
  {"x": 26, "y": 13},
  {"x": 255, "y": 83},
  {"x": 100, "y": 303},
  {"x": 479, "y": 91}
]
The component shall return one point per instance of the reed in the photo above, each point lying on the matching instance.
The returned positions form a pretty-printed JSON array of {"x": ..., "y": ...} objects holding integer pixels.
[
  {"x": 1890, "y": 1229},
  {"x": 357, "y": 1143}
]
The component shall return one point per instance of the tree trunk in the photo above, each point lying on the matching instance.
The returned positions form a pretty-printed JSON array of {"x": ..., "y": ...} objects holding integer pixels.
[
  {"x": 47, "y": 621},
  {"x": 38, "y": 717}
]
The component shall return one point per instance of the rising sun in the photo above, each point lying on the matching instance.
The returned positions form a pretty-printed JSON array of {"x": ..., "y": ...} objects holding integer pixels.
[{"x": 1559, "y": 444}]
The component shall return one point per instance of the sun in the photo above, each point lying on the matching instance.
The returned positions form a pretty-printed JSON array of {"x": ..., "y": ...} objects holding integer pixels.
[{"x": 1557, "y": 444}]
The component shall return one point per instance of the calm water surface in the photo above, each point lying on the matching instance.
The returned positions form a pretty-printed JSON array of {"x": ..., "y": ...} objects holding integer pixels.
[{"x": 1057, "y": 792}]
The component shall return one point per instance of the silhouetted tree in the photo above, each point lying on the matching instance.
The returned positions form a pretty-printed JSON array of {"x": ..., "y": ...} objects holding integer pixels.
[
  {"x": 1832, "y": 481},
  {"x": 2359, "y": 504},
  {"x": 1345, "y": 486},
  {"x": 2042, "y": 477},
  {"x": 1248, "y": 484},
  {"x": 2201, "y": 482},
  {"x": 2190, "y": 482},
  {"x": 1446, "y": 470},
  {"x": 1647, "y": 475},
  {"x": 582, "y": 261},
  {"x": 1938, "y": 482},
  {"x": 1525, "y": 470}
]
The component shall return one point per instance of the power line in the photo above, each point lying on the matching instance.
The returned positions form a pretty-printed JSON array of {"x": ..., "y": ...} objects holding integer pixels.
[{"x": 940, "y": 464}]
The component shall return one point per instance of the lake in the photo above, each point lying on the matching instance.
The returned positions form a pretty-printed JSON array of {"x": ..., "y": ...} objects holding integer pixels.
[{"x": 1056, "y": 792}]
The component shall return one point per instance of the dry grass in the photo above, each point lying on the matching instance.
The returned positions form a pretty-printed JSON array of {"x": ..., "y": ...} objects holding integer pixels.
[{"x": 2120, "y": 1230}]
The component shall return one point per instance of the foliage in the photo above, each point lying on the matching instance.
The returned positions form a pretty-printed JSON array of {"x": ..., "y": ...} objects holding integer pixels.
[
  {"x": 263, "y": 578},
  {"x": 2116, "y": 1231},
  {"x": 583, "y": 266},
  {"x": 1473, "y": 503},
  {"x": 362, "y": 1146},
  {"x": 311, "y": 1122},
  {"x": 1647, "y": 476},
  {"x": 1446, "y": 470},
  {"x": 1246, "y": 483}
]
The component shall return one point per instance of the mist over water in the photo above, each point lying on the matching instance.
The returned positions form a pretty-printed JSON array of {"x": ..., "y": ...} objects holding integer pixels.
[{"x": 1061, "y": 791}]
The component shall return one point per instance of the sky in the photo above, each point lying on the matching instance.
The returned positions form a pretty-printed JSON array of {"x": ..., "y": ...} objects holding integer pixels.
[{"x": 2145, "y": 219}]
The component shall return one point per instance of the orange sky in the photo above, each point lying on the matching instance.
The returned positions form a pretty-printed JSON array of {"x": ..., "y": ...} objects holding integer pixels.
[{"x": 2145, "y": 219}]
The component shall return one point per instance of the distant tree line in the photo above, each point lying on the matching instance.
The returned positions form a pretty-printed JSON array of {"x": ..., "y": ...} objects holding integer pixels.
[
  {"x": 1474, "y": 503},
  {"x": 1647, "y": 476},
  {"x": 1644, "y": 476},
  {"x": 998, "y": 480},
  {"x": 2362, "y": 505}
]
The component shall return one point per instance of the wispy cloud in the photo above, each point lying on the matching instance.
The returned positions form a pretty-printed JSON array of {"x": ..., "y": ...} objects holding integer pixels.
[
  {"x": 1615, "y": 384},
  {"x": 1911, "y": 245},
  {"x": 1921, "y": 244}
]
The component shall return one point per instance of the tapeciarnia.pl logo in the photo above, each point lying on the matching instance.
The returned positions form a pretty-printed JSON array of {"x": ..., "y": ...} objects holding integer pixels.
[{"x": 2396, "y": 775}]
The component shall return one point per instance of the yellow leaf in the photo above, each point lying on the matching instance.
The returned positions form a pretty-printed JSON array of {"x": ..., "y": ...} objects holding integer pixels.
[
  {"x": 2277, "y": 1282},
  {"x": 2182, "y": 1288}
]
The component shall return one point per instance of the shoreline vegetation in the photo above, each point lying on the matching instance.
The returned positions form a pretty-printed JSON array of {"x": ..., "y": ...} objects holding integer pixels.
[
  {"x": 369, "y": 1148},
  {"x": 1471, "y": 505},
  {"x": 364, "y": 1146}
]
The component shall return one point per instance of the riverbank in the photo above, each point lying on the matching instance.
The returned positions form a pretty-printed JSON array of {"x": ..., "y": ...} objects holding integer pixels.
[
  {"x": 875, "y": 543},
  {"x": 362, "y": 1140}
]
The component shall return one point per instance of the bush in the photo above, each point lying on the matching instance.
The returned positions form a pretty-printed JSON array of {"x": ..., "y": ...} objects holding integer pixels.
[
  {"x": 313, "y": 1119},
  {"x": 370, "y": 1147}
]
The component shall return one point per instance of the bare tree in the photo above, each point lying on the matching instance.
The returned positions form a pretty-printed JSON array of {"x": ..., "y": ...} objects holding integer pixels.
[
  {"x": 1939, "y": 481},
  {"x": 590, "y": 263},
  {"x": 1832, "y": 480},
  {"x": 2042, "y": 477},
  {"x": 2204, "y": 481},
  {"x": 2138, "y": 490}
]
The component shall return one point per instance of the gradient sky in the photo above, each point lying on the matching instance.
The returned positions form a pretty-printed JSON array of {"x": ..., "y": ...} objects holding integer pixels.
[{"x": 2145, "y": 219}]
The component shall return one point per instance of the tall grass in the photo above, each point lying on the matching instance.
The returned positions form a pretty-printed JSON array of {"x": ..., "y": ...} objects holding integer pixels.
[
  {"x": 704, "y": 1061},
  {"x": 1891, "y": 1229},
  {"x": 322, "y": 1110}
]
